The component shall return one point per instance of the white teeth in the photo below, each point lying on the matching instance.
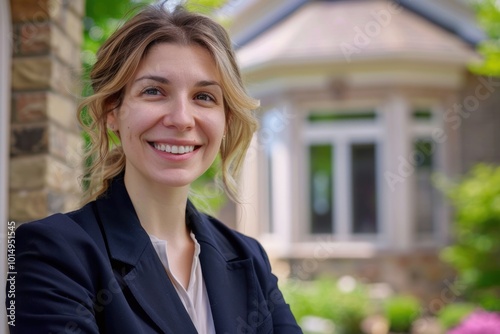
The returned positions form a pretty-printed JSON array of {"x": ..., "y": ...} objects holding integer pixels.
[{"x": 173, "y": 148}]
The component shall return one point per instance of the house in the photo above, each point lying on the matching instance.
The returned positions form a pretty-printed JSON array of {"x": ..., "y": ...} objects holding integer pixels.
[
  {"x": 362, "y": 102},
  {"x": 40, "y": 143}
]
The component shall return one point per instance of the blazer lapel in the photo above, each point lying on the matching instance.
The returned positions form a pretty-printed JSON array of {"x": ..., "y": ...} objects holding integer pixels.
[
  {"x": 230, "y": 281},
  {"x": 229, "y": 289},
  {"x": 128, "y": 244},
  {"x": 155, "y": 293}
]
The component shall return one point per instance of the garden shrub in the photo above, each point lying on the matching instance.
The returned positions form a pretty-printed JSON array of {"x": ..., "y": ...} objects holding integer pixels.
[
  {"x": 401, "y": 312},
  {"x": 475, "y": 252},
  {"x": 323, "y": 298},
  {"x": 452, "y": 314}
]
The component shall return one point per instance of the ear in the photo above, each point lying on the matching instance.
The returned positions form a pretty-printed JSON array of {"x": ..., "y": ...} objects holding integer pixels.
[
  {"x": 227, "y": 122},
  {"x": 112, "y": 120}
]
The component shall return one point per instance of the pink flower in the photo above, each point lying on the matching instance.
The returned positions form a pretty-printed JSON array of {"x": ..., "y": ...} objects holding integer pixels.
[{"x": 479, "y": 322}]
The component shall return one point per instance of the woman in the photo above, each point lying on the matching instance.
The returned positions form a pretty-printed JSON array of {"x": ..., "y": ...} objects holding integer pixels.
[{"x": 138, "y": 257}]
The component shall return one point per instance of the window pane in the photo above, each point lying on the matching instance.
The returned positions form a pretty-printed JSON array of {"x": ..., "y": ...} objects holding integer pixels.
[
  {"x": 425, "y": 193},
  {"x": 320, "y": 180},
  {"x": 364, "y": 193},
  {"x": 422, "y": 115},
  {"x": 319, "y": 117}
]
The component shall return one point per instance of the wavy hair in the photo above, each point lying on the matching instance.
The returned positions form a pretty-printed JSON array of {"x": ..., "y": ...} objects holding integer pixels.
[{"x": 117, "y": 61}]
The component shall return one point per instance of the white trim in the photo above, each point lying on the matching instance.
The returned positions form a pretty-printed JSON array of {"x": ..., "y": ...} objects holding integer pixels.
[
  {"x": 5, "y": 89},
  {"x": 342, "y": 189}
]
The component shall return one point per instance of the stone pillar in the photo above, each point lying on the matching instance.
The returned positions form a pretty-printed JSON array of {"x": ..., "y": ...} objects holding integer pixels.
[{"x": 45, "y": 141}]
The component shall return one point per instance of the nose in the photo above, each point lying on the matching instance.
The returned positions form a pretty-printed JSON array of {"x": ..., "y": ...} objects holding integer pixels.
[{"x": 179, "y": 115}]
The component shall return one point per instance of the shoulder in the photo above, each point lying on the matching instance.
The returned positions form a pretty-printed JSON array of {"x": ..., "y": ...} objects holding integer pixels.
[
  {"x": 60, "y": 231},
  {"x": 230, "y": 241},
  {"x": 245, "y": 248},
  {"x": 59, "y": 269},
  {"x": 241, "y": 238},
  {"x": 53, "y": 225},
  {"x": 64, "y": 249}
]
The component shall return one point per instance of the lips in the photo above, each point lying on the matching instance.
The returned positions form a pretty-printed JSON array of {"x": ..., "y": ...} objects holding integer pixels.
[{"x": 174, "y": 149}]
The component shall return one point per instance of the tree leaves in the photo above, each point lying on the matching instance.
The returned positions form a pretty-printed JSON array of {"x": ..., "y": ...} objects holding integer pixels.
[
  {"x": 488, "y": 14},
  {"x": 475, "y": 253}
]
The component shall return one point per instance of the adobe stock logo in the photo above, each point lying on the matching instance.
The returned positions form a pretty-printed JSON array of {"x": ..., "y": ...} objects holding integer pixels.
[
  {"x": 372, "y": 29},
  {"x": 452, "y": 119}
]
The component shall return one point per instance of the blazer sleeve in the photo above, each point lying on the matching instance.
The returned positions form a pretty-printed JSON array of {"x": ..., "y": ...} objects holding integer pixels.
[
  {"x": 283, "y": 320},
  {"x": 53, "y": 287}
]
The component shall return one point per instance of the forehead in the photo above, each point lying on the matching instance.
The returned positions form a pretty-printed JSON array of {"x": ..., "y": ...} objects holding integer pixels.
[{"x": 172, "y": 57}]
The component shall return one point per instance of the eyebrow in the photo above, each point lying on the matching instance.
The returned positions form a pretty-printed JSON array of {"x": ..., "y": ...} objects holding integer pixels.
[
  {"x": 205, "y": 83},
  {"x": 154, "y": 78},
  {"x": 162, "y": 80}
]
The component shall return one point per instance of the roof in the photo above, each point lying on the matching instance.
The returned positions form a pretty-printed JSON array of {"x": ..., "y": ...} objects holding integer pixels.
[
  {"x": 455, "y": 16},
  {"x": 349, "y": 30}
]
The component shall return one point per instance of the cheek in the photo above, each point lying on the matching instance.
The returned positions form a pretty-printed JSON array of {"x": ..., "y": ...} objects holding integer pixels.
[
  {"x": 220, "y": 124},
  {"x": 132, "y": 119},
  {"x": 212, "y": 124},
  {"x": 217, "y": 131}
]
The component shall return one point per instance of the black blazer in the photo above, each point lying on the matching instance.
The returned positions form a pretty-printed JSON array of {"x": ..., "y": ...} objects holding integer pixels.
[{"x": 95, "y": 271}]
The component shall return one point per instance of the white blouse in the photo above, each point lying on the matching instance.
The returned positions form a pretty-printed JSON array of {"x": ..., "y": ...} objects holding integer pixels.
[{"x": 195, "y": 297}]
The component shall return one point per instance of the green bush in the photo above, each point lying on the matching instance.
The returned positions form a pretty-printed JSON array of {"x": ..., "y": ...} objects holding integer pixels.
[
  {"x": 401, "y": 312},
  {"x": 475, "y": 253},
  {"x": 452, "y": 314},
  {"x": 323, "y": 298}
]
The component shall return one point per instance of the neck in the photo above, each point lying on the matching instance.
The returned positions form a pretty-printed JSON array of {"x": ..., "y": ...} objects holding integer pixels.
[{"x": 160, "y": 209}]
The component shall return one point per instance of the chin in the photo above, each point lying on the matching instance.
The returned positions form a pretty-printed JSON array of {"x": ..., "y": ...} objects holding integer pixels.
[{"x": 175, "y": 180}]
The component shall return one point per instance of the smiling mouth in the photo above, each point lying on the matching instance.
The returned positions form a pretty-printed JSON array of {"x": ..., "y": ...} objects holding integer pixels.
[{"x": 174, "y": 149}]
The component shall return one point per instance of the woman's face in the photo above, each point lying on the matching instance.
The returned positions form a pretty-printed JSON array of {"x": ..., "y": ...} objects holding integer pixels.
[{"x": 171, "y": 120}]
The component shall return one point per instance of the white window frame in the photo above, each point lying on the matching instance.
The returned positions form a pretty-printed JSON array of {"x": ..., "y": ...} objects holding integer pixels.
[
  {"x": 280, "y": 176},
  {"x": 295, "y": 239},
  {"x": 5, "y": 89},
  {"x": 424, "y": 131},
  {"x": 342, "y": 135}
]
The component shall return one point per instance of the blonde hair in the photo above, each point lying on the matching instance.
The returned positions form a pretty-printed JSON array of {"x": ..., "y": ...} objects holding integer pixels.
[{"x": 117, "y": 61}]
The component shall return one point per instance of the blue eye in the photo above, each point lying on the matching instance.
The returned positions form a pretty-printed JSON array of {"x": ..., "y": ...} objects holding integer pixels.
[
  {"x": 205, "y": 97},
  {"x": 151, "y": 91}
]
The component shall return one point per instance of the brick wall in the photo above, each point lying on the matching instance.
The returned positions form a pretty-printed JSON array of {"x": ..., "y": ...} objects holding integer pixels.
[{"x": 45, "y": 148}]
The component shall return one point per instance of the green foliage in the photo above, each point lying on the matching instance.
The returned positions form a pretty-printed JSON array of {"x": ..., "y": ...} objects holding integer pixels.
[
  {"x": 452, "y": 314},
  {"x": 204, "y": 6},
  {"x": 101, "y": 20},
  {"x": 488, "y": 14},
  {"x": 207, "y": 192},
  {"x": 476, "y": 251},
  {"x": 323, "y": 298},
  {"x": 401, "y": 312}
]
